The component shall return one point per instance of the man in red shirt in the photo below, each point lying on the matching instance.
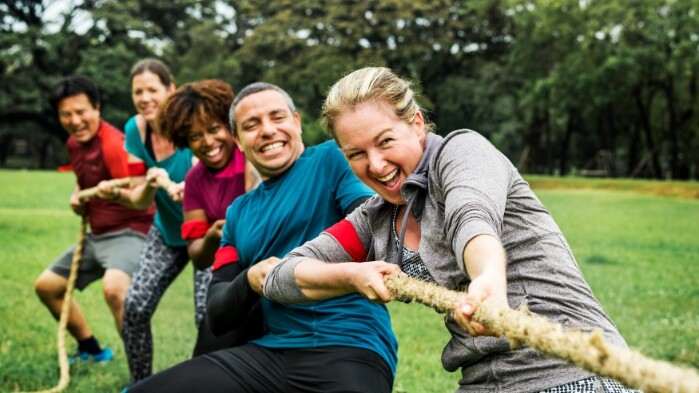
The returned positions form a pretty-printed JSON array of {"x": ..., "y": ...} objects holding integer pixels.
[{"x": 117, "y": 233}]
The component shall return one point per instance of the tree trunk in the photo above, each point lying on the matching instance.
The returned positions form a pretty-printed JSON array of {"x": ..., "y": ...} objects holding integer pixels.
[{"x": 644, "y": 118}]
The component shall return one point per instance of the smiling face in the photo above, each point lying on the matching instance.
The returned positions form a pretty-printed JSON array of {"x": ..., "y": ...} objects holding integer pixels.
[
  {"x": 268, "y": 132},
  {"x": 78, "y": 117},
  {"x": 148, "y": 93},
  {"x": 211, "y": 142},
  {"x": 382, "y": 149}
]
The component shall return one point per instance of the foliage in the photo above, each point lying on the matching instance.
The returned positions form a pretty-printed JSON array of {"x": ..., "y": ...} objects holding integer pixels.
[
  {"x": 638, "y": 253},
  {"x": 560, "y": 86}
]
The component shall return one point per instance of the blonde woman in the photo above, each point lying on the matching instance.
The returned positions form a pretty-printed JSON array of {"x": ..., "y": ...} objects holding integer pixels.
[{"x": 453, "y": 211}]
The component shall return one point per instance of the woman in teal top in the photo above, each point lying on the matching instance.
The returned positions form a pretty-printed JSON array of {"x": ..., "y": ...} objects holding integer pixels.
[
  {"x": 168, "y": 217},
  {"x": 164, "y": 255}
]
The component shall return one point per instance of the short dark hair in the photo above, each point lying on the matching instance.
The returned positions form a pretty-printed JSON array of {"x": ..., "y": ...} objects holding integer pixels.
[
  {"x": 256, "y": 88},
  {"x": 73, "y": 85},
  {"x": 194, "y": 102}
]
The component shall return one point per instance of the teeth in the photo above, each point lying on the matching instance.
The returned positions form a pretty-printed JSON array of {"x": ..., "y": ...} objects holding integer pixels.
[
  {"x": 388, "y": 177},
  {"x": 273, "y": 146},
  {"x": 212, "y": 153}
]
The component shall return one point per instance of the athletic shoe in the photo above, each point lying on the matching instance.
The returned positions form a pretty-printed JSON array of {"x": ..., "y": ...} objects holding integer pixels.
[{"x": 82, "y": 356}]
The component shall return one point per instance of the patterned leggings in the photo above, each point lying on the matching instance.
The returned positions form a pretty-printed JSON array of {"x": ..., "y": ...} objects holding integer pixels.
[
  {"x": 591, "y": 385},
  {"x": 158, "y": 266}
]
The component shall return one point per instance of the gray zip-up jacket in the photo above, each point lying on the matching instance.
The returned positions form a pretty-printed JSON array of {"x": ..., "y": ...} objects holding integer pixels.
[{"x": 464, "y": 187}]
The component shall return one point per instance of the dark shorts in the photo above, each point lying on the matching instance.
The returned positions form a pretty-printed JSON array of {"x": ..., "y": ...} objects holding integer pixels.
[
  {"x": 114, "y": 250},
  {"x": 255, "y": 369}
]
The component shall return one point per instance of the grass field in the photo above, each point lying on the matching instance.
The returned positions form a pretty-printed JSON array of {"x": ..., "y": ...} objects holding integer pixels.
[{"x": 639, "y": 252}]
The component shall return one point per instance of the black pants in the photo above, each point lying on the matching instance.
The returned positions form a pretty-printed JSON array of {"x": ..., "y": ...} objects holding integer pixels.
[
  {"x": 254, "y": 369},
  {"x": 207, "y": 341}
]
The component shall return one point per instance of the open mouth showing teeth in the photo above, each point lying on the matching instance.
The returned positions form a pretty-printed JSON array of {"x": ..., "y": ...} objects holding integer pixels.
[
  {"x": 388, "y": 177},
  {"x": 214, "y": 152},
  {"x": 273, "y": 146}
]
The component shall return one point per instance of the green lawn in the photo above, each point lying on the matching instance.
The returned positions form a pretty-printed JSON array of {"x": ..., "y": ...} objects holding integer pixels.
[{"x": 639, "y": 253}]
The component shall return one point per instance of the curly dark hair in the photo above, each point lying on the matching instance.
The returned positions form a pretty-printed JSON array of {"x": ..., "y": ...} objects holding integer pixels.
[{"x": 193, "y": 103}]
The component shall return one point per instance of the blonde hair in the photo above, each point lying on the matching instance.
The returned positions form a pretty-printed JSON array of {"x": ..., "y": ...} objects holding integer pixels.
[{"x": 370, "y": 84}]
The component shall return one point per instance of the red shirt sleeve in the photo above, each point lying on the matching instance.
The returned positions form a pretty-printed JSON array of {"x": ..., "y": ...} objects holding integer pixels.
[
  {"x": 224, "y": 256},
  {"x": 346, "y": 235},
  {"x": 115, "y": 157},
  {"x": 137, "y": 168},
  {"x": 194, "y": 229}
]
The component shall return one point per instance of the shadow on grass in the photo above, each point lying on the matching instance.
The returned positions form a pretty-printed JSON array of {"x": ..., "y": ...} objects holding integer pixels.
[{"x": 600, "y": 260}]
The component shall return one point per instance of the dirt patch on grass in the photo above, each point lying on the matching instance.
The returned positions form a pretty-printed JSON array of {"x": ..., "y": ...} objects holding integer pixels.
[{"x": 685, "y": 190}]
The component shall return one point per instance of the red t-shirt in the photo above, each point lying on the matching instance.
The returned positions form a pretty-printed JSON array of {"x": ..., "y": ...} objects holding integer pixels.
[{"x": 104, "y": 158}]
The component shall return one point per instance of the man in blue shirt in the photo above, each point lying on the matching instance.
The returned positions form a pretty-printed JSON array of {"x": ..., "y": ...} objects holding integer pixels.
[{"x": 344, "y": 344}]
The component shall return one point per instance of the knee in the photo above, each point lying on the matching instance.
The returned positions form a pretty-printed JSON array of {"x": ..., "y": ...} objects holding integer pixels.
[
  {"x": 114, "y": 295},
  {"x": 135, "y": 312},
  {"x": 47, "y": 289},
  {"x": 40, "y": 288}
]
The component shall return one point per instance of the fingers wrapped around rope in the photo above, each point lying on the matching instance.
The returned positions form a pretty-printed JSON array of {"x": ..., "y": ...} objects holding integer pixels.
[
  {"x": 159, "y": 178},
  {"x": 92, "y": 191},
  {"x": 588, "y": 350}
]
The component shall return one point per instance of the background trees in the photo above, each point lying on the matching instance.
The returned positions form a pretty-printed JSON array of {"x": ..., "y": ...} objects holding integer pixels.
[{"x": 592, "y": 87}]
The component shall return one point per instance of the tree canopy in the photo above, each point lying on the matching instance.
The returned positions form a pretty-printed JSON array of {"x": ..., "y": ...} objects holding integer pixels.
[{"x": 587, "y": 86}]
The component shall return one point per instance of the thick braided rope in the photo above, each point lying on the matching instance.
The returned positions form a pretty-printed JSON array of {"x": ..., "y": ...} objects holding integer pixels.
[
  {"x": 122, "y": 182},
  {"x": 65, "y": 313},
  {"x": 75, "y": 264},
  {"x": 89, "y": 192},
  {"x": 587, "y": 350},
  {"x": 164, "y": 183}
]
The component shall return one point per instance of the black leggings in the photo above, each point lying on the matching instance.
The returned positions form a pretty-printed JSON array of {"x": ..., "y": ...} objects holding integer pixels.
[{"x": 254, "y": 369}]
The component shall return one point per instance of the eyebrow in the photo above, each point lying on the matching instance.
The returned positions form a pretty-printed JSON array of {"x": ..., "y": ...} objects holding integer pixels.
[
  {"x": 381, "y": 133},
  {"x": 277, "y": 111},
  {"x": 375, "y": 139},
  {"x": 257, "y": 117}
]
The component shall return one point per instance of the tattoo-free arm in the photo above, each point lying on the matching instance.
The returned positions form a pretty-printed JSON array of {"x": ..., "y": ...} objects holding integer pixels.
[
  {"x": 485, "y": 262},
  {"x": 320, "y": 280},
  {"x": 202, "y": 250}
]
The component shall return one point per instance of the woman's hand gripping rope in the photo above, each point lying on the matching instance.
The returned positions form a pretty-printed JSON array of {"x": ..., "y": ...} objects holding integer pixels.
[
  {"x": 159, "y": 178},
  {"x": 588, "y": 350}
]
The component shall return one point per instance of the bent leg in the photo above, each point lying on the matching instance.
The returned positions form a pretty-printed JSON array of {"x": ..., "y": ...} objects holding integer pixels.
[
  {"x": 158, "y": 266},
  {"x": 202, "y": 279},
  {"x": 115, "y": 284},
  {"x": 51, "y": 288},
  {"x": 118, "y": 254},
  {"x": 195, "y": 375},
  {"x": 337, "y": 369},
  {"x": 250, "y": 369}
]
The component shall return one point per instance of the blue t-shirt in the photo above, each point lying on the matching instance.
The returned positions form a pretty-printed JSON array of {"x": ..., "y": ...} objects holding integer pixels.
[
  {"x": 168, "y": 216},
  {"x": 283, "y": 213}
]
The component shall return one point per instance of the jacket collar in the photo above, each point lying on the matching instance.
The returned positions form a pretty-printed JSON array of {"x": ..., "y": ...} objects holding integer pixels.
[{"x": 419, "y": 176}]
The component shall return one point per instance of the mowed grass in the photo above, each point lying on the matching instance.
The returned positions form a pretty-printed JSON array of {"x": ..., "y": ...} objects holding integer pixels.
[
  {"x": 36, "y": 226},
  {"x": 638, "y": 252}
]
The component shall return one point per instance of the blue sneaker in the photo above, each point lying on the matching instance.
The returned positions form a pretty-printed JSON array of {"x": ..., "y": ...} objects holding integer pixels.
[{"x": 104, "y": 356}]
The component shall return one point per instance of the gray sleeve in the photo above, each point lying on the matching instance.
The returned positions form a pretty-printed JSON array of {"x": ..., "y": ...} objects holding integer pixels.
[
  {"x": 474, "y": 179},
  {"x": 280, "y": 284}
]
